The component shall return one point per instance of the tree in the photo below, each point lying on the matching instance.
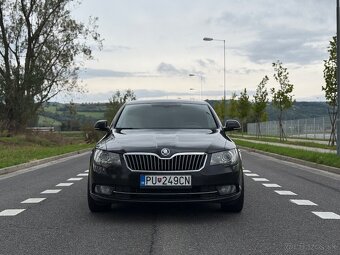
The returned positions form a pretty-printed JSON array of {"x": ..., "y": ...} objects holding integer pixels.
[
  {"x": 232, "y": 107},
  {"x": 41, "y": 50},
  {"x": 331, "y": 94},
  {"x": 260, "y": 104},
  {"x": 116, "y": 101},
  {"x": 219, "y": 108},
  {"x": 282, "y": 97},
  {"x": 244, "y": 107}
]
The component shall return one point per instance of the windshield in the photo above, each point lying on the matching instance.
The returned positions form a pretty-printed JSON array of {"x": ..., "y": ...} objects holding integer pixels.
[{"x": 161, "y": 116}]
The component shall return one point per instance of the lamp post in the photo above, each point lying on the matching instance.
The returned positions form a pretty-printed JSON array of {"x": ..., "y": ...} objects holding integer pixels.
[
  {"x": 224, "y": 90},
  {"x": 338, "y": 76},
  {"x": 201, "y": 77}
]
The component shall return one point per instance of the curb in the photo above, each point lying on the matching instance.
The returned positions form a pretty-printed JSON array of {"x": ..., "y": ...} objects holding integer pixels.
[
  {"x": 15, "y": 168},
  {"x": 295, "y": 160}
]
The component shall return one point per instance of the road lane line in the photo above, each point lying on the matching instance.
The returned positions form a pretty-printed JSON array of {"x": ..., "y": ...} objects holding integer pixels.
[
  {"x": 64, "y": 184},
  {"x": 11, "y": 212},
  {"x": 251, "y": 174},
  {"x": 75, "y": 179},
  {"x": 327, "y": 215},
  {"x": 83, "y": 174},
  {"x": 34, "y": 200},
  {"x": 260, "y": 179},
  {"x": 302, "y": 202},
  {"x": 285, "y": 193},
  {"x": 271, "y": 185},
  {"x": 246, "y": 171},
  {"x": 51, "y": 191},
  {"x": 86, "y": 171}
]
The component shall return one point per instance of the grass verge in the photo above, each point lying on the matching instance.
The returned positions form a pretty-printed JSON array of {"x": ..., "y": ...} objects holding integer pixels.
[
  {"x": 327, "y": 159},
  {"x": 299, "y": 143},
  {"x": 26, "y": 148}
]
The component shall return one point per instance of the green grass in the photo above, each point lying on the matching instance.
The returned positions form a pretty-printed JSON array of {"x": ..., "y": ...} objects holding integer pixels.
[
  {"x": 48, "y": 122},
  {"x": 328, "y": 159},
  {"x": 96, "y": 115},
  {"x": 50, "y": 108},
  {"x": 22, "y": 149},
  {"x": 277, "y": 140}
]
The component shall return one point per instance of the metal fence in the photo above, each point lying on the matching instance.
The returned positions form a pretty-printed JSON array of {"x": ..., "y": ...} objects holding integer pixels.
[{"x": 315, "y": 128}]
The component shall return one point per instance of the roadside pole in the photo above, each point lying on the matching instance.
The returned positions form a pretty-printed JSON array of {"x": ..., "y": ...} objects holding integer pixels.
[{"x": 338, "y": 76}]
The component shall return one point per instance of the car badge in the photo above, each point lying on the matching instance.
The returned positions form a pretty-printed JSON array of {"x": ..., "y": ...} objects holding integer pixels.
[{"x": 165, "y": 152}]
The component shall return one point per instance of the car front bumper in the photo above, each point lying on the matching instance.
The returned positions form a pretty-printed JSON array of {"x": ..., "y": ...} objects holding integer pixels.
[{"x": 125, "y": 185}]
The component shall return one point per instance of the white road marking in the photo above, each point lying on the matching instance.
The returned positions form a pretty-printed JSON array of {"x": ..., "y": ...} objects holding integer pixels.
[
  {"x": 327, "y": 215},
  {"x": 86, "y": 171},
  {"x": 64, "y": 184},
  {"x": 285, "y": 192},
  {"x": 33, "y": 200},
  {"x": 302, "y": 202},
  {"x": 246, "y": 171},
  {"x": 271, "y": 185},
  {"x": 51, "y": 191},
  {"x": 75, "y": 179},
  {"x": 260, "y": 179},
  {"x": 251, "y": 174},
  {"x": 83, "y": 174},
  {"x": 11, "y": 212}
]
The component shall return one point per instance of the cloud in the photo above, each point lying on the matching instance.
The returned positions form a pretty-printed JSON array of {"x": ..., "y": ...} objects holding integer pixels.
[
  {"x": 113, "y": 48},
  {"x": 292, "y": 31},
  {"x": 107, "y": 73},
  {"x": 171, "y": 70}
]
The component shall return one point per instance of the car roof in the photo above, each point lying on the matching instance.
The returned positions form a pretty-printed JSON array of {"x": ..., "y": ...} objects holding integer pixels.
[{"x": 166, "y": 101}]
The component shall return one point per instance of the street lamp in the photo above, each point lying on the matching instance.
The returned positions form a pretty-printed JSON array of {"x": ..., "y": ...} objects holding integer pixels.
[
  {"x": 224, "y": 91},
  {"x": 338, "y": 75},
  {"x": 201, "y": 77}
]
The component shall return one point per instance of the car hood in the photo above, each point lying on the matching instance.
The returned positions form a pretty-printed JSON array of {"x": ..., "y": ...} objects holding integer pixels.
[{"x": 154, "y": 141}]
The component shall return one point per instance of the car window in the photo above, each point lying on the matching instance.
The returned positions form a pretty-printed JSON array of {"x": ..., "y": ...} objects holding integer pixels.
[{"x": 160, "y": 116}]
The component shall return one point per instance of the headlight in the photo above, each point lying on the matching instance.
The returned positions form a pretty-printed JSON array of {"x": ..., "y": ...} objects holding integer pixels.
[
  {"x": 229, "y": 157},
  {"x": 106, "y": 159}
]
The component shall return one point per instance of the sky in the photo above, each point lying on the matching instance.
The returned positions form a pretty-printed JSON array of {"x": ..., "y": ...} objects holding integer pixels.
[{"x": 151, "y": 47}]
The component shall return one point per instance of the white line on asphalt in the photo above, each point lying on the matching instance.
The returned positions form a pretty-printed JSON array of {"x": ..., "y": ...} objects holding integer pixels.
[
  {"x": 251, "y": 174},
  {"x": 33, "y": 200},
  {"x": 271, "y": 185},
  {"x": 64, "y": 184},
  {"x": 260, "y": 179},
  {"x": 11, "y": 212},
  {"x": 74, "y": 179},
  {"x": 51, "y": 191},
  {"x": 285, "y": 192},
  {"x": 86, "y": 171},
  {"x": 83, "y": 174},
  {"x": 302, "y": 202},
  {"x": 246, "y": 171},
  {"x": 327, "y": 215}
]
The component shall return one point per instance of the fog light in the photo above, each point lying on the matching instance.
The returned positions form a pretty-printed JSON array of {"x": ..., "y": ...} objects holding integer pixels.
[
  {"x": 101, "y": 189},
  {"x": 226, "y": 189}
]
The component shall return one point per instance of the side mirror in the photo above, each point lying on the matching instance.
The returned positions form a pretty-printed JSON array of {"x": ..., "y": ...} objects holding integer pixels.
[
  {"x": 231, "y": 125},
  {"x": 101, "y": 125}
]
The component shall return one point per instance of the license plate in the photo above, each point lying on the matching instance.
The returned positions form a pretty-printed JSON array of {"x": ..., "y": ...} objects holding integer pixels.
[{"x": 165, "y": 180}]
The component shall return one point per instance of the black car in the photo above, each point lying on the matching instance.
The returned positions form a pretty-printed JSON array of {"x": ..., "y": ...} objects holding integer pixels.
[{"x": 166, "y": 151}]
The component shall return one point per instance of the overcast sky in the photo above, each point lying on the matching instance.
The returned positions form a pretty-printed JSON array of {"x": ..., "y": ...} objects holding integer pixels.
[{"x": 151, "y": 46}]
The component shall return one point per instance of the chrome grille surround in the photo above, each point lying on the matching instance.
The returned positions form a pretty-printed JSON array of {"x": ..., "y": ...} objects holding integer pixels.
[{"x": 179, "y": 162}]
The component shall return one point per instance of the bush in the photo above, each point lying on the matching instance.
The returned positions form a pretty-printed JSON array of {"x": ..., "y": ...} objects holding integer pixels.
[{"x": 90, "y": 134}]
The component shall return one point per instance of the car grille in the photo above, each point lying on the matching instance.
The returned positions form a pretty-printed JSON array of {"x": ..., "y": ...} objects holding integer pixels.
[{"x": 178, "y": 162}]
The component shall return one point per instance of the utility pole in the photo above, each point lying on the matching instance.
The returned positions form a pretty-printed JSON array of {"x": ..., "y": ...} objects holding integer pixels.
[{"x": 338, "y": 76}]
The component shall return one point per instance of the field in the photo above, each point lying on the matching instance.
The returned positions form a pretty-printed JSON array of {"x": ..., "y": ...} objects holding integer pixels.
[{"x": 31, "y": 146}]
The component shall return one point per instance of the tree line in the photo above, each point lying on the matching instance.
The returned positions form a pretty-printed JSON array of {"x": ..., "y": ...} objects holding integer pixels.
[{"x": 246, "y": 110}]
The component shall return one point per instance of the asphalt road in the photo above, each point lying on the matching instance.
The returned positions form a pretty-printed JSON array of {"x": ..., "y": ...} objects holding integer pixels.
[{"x": 269, "y": 224}]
